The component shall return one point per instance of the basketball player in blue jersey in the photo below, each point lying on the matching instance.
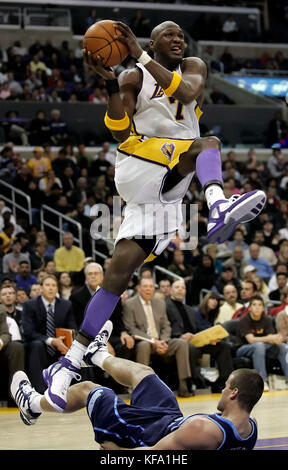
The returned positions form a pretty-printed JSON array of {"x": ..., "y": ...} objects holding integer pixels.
[
  {"x": 153, "y": 113},
  {"x": 153, "y": 419}
]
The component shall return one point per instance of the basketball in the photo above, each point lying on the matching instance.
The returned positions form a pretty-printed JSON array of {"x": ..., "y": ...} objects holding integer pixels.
[{"x": 99, "y": 40}]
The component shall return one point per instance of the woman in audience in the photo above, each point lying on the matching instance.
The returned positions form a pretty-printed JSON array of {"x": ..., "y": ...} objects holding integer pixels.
[{"x": 65, "y": 285}]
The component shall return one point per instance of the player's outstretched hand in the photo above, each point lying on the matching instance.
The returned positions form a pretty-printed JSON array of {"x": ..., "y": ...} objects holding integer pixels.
[
  {"x": 95, "y": 64},
  {"x": 128, "y": 38}
]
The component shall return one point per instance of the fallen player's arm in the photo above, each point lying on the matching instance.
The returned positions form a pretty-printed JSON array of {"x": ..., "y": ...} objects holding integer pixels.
[{"x": 199, "y": 433}]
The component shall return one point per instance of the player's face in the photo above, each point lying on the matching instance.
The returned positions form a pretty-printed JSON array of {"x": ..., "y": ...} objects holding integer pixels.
[
  {"x": 170, "y": 43},
  {"x": 224, "y": 395}
]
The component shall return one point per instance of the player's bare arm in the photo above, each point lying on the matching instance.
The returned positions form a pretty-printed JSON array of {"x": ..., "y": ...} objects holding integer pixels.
[
  {"x": 194, "y": 69},
  {"x": 118, "y": 103},
  {"x": 197, "y": 433}
]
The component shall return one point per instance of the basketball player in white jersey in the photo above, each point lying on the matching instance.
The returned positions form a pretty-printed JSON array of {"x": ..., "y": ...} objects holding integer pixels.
[{"x": 153, "y": 113}]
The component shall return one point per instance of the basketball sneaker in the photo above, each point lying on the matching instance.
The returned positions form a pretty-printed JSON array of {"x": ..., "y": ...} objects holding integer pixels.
[
  {"x": 99, "y": 344},
  {"x": 58, "y": 377},
  {"x": 225, "y": 215},
  {"x": 23, "y": 393}
]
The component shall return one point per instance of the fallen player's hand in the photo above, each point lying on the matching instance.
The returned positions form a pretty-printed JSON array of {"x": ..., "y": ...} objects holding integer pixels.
[{"x": 108, "y": 445}]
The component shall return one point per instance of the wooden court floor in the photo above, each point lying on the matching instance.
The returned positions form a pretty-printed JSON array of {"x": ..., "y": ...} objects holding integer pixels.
[{"x": 74, "y": 431}]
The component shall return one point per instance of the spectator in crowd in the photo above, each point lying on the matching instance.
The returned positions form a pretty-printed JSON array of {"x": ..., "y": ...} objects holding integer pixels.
[
  {"x": 140, "y": 24},
  {"x": 218, "y": 97},
  {"x": 279, "y": 268},
  {"x": 65, "y": 285},
  {"x": 205, "y": 316},
  {"x": 61, "y": 162},
  {"x": 276, "y": 128},
  {"x": 12, "y": 354},
  {"x": 237, "y": 262},
  {"x": 39, "y": 129},
  {"x": 238, "y": 240},
  {"x": 81, "y": 296},
  {"x": 230, "y": 29},
  {"x": 226, "y": 277},
  {"x": 50, "y": 267},
  {"x": 38, "y": 258},
  {"x": 281, "y": 282},
  {"x": 262, "y": 288},
  {"x": 24, "y": 278},
  {"x": 35, "y": 290},
  {"x": 165, "y": 287},
  {"x": 41, "y": 316},
  {"x": 249, "y": 272},
  {"x": 179, "y": 266},
  {"x": 11, "y": 260},
  {"x": 184, "y": 325},
  {"x": 69, "y": 257},
  {"x": 6, "y": 237},
  {"x": 204, "y": 277},
  {"x": 99, "y": 166},
  {"x": 8, "y": 300},
  {"x": 39, "y": 164},
  {"x": 230, "y": 304},
  {"x": 21, "y": 297},
  {"x": 282, "y": 318},
  {"x": 283, "y": 252},
  {"x": 265, "y": 252},
  {"x": 59, "y": 128},
  {"x": 145, "y": 316},
  {"x": 248, "y": 291},
  {"x": 264, "y": 269},
  {"x": 258, "y": 340}
]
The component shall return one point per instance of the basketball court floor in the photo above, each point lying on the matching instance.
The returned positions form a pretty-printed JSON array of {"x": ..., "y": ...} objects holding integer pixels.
[{"x": 74, "y": 431}]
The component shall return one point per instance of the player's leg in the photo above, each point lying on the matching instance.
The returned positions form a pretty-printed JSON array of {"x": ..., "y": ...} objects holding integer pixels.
[
  {"x": 32, "y": 404},
  {"x": 128, "y": 256},
  {"x": 125, "y": 372},
  {"x": 224, "y": 214}
]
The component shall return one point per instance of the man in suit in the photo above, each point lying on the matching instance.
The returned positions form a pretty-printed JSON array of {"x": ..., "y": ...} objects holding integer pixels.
[
  {"x": 145, "y": 316},
  {"x": 80, "y": 297},
  {"x": 120, "y": 343},
  {"x": 184, "y": 325},
  {"x": 40, "y": 318}
]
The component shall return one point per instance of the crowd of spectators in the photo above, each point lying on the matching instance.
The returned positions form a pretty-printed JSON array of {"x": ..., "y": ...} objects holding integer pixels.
[
  {"x": 46, "y": 73},
  {"x": 218, "y": 284}
]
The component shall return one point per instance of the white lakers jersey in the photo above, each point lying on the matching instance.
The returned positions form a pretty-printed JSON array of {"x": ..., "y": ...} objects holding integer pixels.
[{"x": 157, "y": 115}]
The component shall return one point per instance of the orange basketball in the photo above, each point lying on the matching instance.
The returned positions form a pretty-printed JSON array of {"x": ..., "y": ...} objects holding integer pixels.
[{"x": 99, "y": 40}]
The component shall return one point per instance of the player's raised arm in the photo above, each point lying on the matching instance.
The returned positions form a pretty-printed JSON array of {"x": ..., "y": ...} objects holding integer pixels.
[
  {"x": 168, "y": 46},
  {"x": 122, "y": 96}
]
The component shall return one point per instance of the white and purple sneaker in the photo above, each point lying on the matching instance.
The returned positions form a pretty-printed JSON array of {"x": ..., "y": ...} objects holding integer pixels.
[
  {"x": 225, "y": 215},
  {"x": 99, "y": 343},
  {"x": 23, "y": 393},
  {"x": 58, "y": 377}
]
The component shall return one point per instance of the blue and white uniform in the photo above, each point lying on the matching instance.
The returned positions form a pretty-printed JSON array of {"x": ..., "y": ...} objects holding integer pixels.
[{"x": 153, "y": 413}]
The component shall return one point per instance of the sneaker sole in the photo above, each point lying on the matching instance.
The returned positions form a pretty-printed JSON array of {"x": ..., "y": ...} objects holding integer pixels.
[{"x": 242, "y": 213}]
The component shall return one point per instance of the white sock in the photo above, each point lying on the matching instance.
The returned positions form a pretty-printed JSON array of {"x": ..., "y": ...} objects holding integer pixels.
[
  {"x": 214, "y": 193},
  {"x": 76, "y": 353},
  {"x": 100, "y": 357},
  {"x": 35, "y": 403}
]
